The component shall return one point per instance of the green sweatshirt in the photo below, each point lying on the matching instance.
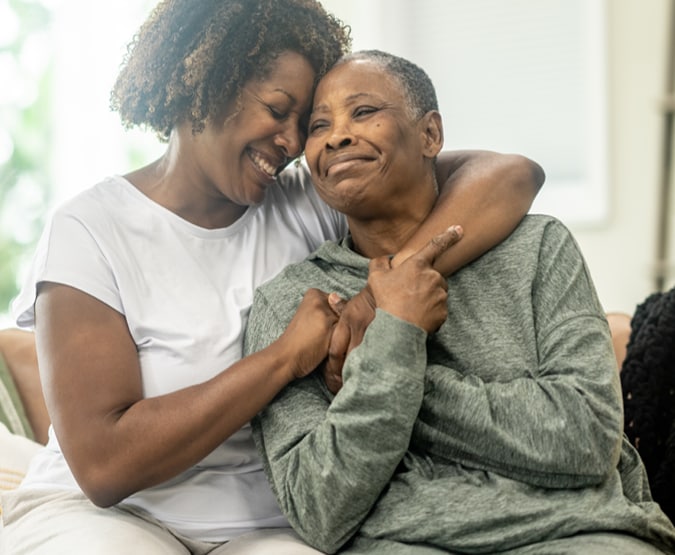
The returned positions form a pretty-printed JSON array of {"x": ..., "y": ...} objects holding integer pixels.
[{"x": 501, "y": 430}]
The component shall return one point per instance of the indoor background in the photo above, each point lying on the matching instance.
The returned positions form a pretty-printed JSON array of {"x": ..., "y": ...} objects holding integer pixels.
[{"x": 581, "y": 86}]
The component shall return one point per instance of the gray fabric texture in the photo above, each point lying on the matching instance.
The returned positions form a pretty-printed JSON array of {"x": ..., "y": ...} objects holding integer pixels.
[{"x": 502, "y": 430}]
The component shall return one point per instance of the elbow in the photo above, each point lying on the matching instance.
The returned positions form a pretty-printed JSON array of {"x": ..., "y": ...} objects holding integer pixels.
[
  {"x": 599, "y": 458},
  {"x": 318, "y": 529},
  {"x": 324, "y": 540},
  {"x": 609, "y": 452},
  {"x": 537, "y": 174},
  {"x": 519, "y": 180},
  {"x": 326, "y": 526},
  {"x": 607, "y": 431},
  {"x": 102, "y": 500},
  {"x": 100, "y": 485},
  {"x": 328, "y": 545},
  {"x": 530, "y": 176},
  {"x": 101, "y": 497}
]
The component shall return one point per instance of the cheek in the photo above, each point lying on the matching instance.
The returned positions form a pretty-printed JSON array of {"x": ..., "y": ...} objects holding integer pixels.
[{"x": 312, "y": 156}]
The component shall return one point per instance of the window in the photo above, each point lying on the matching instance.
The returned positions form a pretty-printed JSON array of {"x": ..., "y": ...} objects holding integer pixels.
[{"x": 525, "y": 76}]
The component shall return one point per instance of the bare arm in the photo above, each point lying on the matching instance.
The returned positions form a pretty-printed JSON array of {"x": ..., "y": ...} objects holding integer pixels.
[
  {"x": 117, "y": 442},
  {"x": 485, "y": 192}
]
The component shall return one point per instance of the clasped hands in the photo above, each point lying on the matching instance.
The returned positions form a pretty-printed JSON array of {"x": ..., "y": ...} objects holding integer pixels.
[{"x": 412, "y": 291}]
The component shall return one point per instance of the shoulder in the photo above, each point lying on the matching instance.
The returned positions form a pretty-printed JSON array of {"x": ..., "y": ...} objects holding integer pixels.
[
  {"x": 536, "y": 235},
  {"x": 287, "y": 287},
  {"x": 540, "y": 225},
  {"x": 296, "y": 174},
  {"x": 540, "y": 245},
  {"x": 285, "y": 291},
  {"x": 293, "y": 183},
  {"x": 296, "y": 190},
  {"x": 101, "y": 201},
  {"x": 274, "y": 304}
]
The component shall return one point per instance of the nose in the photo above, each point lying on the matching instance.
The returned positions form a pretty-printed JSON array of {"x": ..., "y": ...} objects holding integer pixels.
[
  {"x": 336, "y": 143},
  {"x": 291, "y": 139},
  {"x": 340, "y": 136}
]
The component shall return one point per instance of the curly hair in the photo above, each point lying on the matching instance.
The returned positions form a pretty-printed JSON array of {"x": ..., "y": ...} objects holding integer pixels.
[{"x": 190, "y": 59}]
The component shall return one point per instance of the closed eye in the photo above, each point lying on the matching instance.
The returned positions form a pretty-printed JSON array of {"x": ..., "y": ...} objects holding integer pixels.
[
  {"x": 317, "y": 125},
  {"x": 361, "y": 111},
  {"x": 276, "y": 114}
]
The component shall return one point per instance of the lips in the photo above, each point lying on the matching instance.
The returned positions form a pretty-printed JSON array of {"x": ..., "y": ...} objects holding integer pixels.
[
  {"x": 343, "y": 162},
  {"x": 265, "y": 164}
]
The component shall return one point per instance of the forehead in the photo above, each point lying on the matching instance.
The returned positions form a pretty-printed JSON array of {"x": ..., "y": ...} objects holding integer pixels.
[
  {"x": 290, "y": 73},
  {"x": 358, "y": 77}
]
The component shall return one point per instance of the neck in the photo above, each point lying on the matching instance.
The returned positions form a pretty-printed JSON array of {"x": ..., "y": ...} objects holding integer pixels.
[
  {"x": 388, "y": 233},
  {"x": 381, "y": 238},
  {"x": 174, "y": 182}
]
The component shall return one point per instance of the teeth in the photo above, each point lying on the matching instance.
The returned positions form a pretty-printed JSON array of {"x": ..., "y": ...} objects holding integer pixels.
[{"x": 263, "y": 164}]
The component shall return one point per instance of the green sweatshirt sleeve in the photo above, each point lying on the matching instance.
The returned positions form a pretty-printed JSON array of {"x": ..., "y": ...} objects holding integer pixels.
[
  {"x": 557, "y": 424},
  {"x": 328, "y": 461}
]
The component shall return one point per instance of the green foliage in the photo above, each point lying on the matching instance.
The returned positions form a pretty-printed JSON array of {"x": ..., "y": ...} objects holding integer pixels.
[{"x": 25, "y": 124}]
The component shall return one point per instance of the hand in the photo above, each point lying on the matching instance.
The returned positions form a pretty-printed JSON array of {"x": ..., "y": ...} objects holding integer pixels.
[
  {"x": 355, "y": 316},
  {"x": 308, "y": 333},
  {"x": 414, "y": 291}
]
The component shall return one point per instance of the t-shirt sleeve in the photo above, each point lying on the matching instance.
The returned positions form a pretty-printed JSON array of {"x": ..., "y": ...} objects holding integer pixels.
[{"x": 69, "y": 254}]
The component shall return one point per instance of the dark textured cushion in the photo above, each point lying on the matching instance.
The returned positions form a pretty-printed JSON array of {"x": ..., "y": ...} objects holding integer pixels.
[{"x": 648, "y": 383}]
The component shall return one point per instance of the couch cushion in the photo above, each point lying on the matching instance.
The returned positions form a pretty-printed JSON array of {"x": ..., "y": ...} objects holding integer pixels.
[{"x": 12, "y": 413}]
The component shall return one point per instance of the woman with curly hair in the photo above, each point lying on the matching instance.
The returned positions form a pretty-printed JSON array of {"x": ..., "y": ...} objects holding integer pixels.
[{"x": 141, "y": 287}]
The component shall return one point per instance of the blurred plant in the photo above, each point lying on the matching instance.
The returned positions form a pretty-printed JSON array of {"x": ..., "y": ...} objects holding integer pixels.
[{"x": 26, "y": 66}]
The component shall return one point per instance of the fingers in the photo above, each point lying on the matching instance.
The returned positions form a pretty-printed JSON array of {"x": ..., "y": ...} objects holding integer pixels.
[
  {"x": 339, "y": 343},
  {"x": 337, "y": 352},
  {"x": 307, "y": 336},
  {"x": 337, "y": 303},
  {"x": 356, "y": 315},
  {"x": 439, "y": 244},
  {"x": 332, "y": 380}
]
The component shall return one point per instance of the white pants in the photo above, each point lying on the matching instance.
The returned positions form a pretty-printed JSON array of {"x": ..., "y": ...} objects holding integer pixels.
[{"x": 38, "y": 522}]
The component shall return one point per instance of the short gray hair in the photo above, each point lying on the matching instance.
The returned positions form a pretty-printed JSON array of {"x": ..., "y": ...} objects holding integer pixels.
[{"x": 417, "y": 87}]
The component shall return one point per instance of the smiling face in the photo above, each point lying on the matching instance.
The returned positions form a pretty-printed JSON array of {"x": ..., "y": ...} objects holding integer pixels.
[
  {"x": 262, "y": 132},
  {"x": 368, "y": 155}
]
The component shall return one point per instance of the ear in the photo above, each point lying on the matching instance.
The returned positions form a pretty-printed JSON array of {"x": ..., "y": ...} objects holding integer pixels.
[{"x": 432, "y": 133}]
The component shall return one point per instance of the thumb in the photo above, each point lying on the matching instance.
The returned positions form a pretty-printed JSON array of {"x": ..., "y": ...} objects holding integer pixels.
[
  {"x": 337, "y": 303},
  {"x": 439, "y": 244}
]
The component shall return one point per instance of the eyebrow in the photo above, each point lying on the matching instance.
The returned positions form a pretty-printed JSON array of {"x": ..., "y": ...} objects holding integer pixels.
[{"x": 284, "y": 91}]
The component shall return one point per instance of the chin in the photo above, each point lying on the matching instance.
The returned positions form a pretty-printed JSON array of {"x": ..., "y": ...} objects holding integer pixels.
[{"x": 256, "y": 199}]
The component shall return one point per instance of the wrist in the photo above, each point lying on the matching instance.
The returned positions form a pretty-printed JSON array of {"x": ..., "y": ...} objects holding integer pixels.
[{"x": 280, "y": 363}]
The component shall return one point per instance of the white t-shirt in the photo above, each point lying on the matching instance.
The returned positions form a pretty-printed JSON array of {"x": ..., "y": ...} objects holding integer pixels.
[{"x": 186, "y": 293}]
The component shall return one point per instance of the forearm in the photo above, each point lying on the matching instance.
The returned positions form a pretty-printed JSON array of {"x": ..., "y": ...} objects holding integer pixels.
[
  {"x": 558, "y": 426},
  {"x": 486, "y": 193},
  {"x": 329, "y": 462},
  {"x": 155, "y": 439},
  {"x": 117, "y": 438}
]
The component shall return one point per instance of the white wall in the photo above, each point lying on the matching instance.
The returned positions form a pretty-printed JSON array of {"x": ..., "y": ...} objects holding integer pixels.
[
  {"x": 620, "y": 250},
  {"x": 621, "y": 253}
]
